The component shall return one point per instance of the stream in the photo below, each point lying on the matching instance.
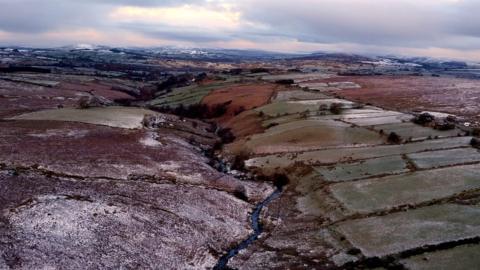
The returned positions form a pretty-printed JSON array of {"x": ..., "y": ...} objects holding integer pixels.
[{"x": 257, "y": 227}]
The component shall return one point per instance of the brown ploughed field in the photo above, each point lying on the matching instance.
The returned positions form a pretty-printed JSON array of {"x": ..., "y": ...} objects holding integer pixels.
[
  {"x": 409, "y": 93},
  {"x": 242, "y": 98}
]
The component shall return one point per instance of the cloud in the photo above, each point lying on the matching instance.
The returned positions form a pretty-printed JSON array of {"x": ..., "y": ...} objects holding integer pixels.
[
  {"x": 393, "y": 26},
  {"x": 360, "y": 21},
  {"x": 34, "y": 16},
  {"x": 183, "y": 16},
  {"x": 145, "y": 3}
]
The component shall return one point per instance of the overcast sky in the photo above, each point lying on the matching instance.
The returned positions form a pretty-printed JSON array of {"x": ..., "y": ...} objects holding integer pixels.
[{"x": 438, "y": 28}]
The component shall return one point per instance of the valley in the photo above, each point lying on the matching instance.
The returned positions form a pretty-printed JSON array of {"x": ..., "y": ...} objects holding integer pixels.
[{"x": 257, "y": 163}]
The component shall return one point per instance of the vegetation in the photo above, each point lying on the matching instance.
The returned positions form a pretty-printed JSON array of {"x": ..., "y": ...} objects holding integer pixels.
[
  {"x": 238, "y": 162},
  {"x": 271, "y": 125},
  {"x": 476, "y": 132},
  {"x": 394, "y": 138},
  {"x": 336, "y": 108},
  {"x": 196, "y": 111},
  {"x": 285, "y": 82},
  {"x": 239, "y": 110},
  {"x": 424, "y": 119},
  {"x": 475, "y": 142},
  {"x": 259, "y": 70},
  {"x": 174, "y": 81},
  {"x": 226, "y": 135},
  {"x": 280, "y": 180},
  {"x": 304, "y": 115},
  {"x": 444, "y": 125}
]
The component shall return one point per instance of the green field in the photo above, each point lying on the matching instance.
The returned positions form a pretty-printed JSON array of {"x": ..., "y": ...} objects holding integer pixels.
[{"x": 189, "y": 95}]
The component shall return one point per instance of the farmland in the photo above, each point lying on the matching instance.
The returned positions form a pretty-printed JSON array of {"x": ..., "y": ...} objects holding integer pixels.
[{"x": 246, "y": 164}]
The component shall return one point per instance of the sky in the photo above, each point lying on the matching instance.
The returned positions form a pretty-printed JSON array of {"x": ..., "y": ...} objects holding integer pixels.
[{"x": 435, "y": 28}]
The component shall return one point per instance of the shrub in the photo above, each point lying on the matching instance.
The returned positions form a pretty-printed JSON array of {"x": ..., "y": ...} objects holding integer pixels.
[
  {"x": 280, "y": 180},
  {"x": 358, "y": 106},
  {"x": 394, "y": 138},
  {"x": 444, "y": 125},
  {"x": 241, "y": 193},
  {"x": 201, "y": 77},
  {"x": 226, "y": 135},
  {"x": 235, "y": 71},
  {"x": 238, "y": 162},
  {"x": 304, "y": 115},
  {"x": 424, "y": 119},
  {"x": 174, "y": 81},
  {"x": 218, "y": 110},
  {"x": 259, "y": 70},
  {"x": 271, "y": 125},
  {"x": 475, "y": 142},
  {"x": 323, "y": 107},
  {"x": 476, "y": 132},
  {"x": 239, "y": 110},
  {"x": 285, "y": 82},
  {"x": 196, "y": 111},
  {"x": 336, "y": 108}
]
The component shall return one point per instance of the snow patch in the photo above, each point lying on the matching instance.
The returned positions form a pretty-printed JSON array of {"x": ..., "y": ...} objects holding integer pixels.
[{"x": 150, "y": 140}]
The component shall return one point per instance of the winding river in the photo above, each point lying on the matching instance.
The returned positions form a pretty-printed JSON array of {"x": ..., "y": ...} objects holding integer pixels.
[{"x": 257, "y": 227}]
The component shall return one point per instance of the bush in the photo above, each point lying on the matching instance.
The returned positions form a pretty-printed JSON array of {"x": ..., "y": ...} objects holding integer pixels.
[
  {"x": 239, "y": 110},
  {"x": 218, "y": 110},
  {"x": 239, "y": 159},
  {"x": 196, "y": 111},
  {"x": 358, "y": 106},
  {"x": 271, "y": 125},
  {"x": 201, "y": 77},
  {"x": 280, "y": 180},
  {"x": 241, "y": 193},
  {"x": 394, "y": 138},
  {"x": 444, "y": 125},
  {"x": 175, "y": 81},
  {"x": 226, "y": 135},
  {"x": 476, "y": 132},
  {"x": 304, "y": 115},
  {"x": 424, "y": 119},
  {"x": 259, "y": 70},
  {"x": 234, "y": 71},
  {"x": 336, "y": 108},
  {"x": 285, "y": 82},
  {"x": 323, "y": 107},
  {"x": 475, "y": 142}
]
